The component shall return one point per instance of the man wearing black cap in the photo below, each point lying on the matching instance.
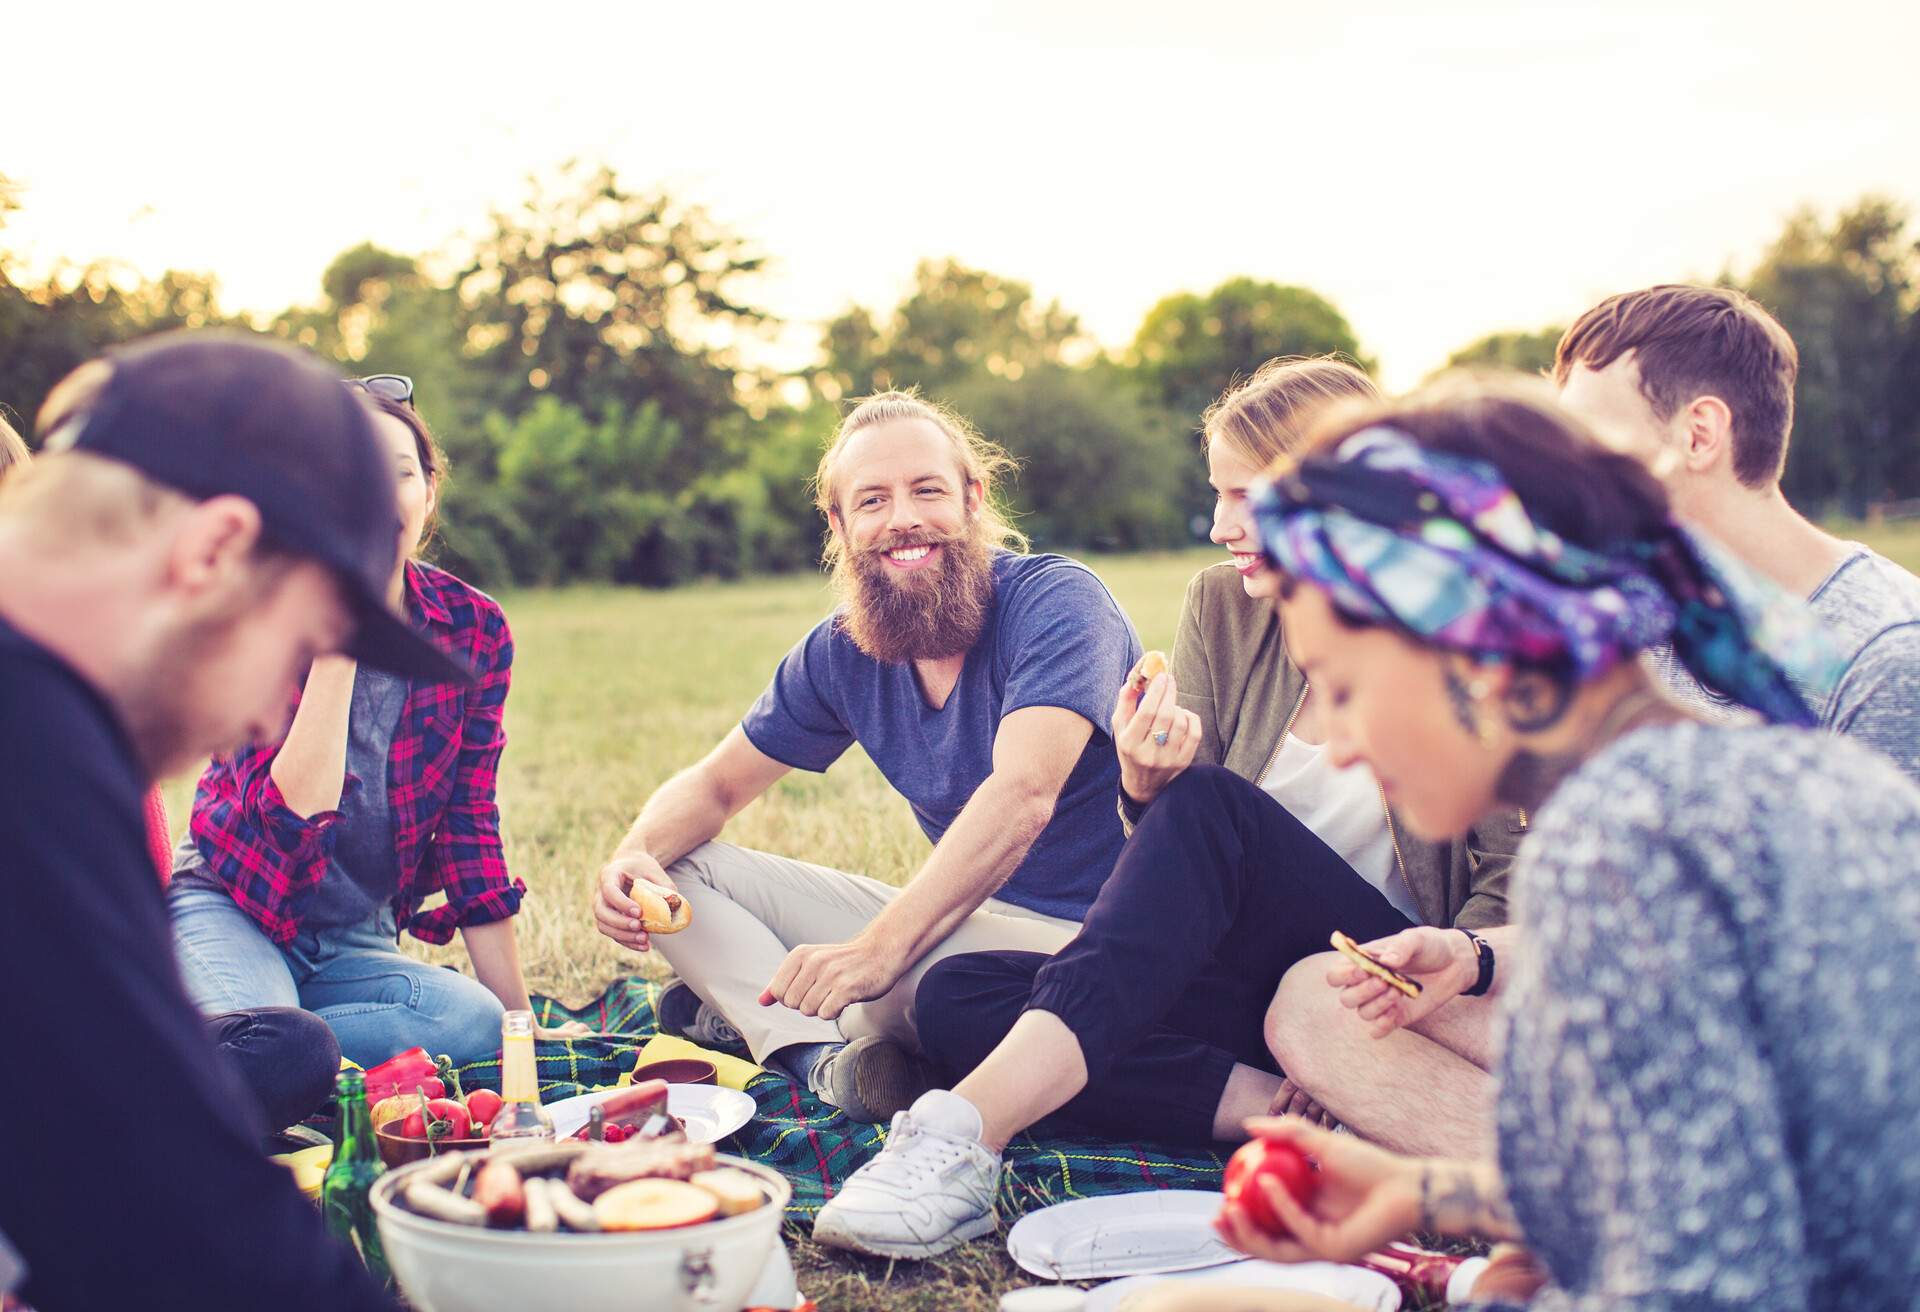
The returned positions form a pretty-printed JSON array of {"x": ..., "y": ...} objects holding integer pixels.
[{"x": 211, "y": 514}]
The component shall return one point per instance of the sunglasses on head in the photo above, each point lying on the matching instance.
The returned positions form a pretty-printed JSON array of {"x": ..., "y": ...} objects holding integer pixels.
[{"x": 388, "y": 387}]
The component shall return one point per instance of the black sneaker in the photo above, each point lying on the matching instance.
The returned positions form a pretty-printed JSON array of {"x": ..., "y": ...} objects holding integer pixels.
[
  {"x": 680, "y": 1011},
  {"x": 871, "y": 1078}
]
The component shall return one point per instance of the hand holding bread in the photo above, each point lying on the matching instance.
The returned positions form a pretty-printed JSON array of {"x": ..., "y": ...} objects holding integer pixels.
[
  {"x": 1155, "y": 737},
  {"x": 634, "y": 898}
]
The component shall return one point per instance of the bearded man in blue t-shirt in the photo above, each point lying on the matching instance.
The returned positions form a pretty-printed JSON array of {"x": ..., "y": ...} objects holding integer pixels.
[{"x": 979, "y": 681}]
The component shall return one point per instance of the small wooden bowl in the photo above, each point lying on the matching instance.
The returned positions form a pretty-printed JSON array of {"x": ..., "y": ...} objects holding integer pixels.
[
  {"x": 678, "y": 1070},
  {"x": 397, "y": 1150}
]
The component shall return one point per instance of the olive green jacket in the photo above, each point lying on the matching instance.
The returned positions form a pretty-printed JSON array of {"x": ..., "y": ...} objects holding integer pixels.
[{"x": 1233, "y": 672}]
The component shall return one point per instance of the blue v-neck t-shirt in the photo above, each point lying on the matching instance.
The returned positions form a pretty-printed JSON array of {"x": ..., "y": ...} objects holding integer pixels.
[{"x": 1055, "y": 637}]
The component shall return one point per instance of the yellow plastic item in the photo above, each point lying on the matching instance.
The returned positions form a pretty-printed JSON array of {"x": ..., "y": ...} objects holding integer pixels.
[
  {"x": 731, "y": 1072},
  {"x": 309, "y": 1167}
]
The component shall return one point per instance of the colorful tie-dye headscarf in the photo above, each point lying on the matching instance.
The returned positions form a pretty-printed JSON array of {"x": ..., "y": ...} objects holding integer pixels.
[{"x": 1439, "y": 545}]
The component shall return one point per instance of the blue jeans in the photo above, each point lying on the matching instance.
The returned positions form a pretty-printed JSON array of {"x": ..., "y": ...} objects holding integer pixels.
[{"x": 376, "y": 1000}]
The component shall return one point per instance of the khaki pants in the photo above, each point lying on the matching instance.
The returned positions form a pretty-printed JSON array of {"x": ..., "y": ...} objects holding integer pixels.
[{"x": 750, "y": 909}]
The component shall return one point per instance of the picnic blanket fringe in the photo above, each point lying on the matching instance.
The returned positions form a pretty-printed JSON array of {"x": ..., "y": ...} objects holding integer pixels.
[{"x": 814, "y": 1145}]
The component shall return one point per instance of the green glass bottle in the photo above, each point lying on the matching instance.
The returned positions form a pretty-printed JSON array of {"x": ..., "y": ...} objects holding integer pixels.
[{"x": 356, "y": 1165}]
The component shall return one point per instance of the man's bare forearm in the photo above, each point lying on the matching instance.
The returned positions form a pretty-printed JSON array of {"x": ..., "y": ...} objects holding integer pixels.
[
  {"x": 983, "y": 847},
  {"x": 683, "y": 813}
]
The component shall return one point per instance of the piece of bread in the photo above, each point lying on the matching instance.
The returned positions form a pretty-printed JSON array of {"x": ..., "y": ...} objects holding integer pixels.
[
  {"x": 661, "y": 911},
  {"x": 654, "y": 1205},
  {"x": 733, "y": 1189},
  {"x": 1151, "y": 667},
  {"x": 1360, "y": 957}
]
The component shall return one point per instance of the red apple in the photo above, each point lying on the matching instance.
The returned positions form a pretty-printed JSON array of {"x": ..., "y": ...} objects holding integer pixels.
[{"x": 1269, "y": 1159}]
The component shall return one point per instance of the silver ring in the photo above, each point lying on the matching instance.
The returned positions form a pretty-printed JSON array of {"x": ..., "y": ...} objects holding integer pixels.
[{"x": 1161, "y": 738}]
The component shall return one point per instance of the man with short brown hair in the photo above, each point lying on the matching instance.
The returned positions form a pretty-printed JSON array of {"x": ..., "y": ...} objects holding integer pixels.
[{"x": 1699, "y": 381}]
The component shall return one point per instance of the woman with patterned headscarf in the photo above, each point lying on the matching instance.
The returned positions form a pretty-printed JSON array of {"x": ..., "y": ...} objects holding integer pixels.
[{"x": 1706, "y": 1092}]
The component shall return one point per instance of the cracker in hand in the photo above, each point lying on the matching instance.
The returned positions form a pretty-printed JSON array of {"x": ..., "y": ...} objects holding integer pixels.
[{"x": 1360, "y": 957}]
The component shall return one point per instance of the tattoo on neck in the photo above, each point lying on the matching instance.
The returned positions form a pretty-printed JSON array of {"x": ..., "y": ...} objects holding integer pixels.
[
  {"x": 1460, "y": 698},
  {"x": 1529, "y": 778}
]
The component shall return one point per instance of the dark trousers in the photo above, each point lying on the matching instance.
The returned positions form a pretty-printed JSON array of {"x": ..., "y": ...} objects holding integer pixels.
[
  {"x": 286, "y": 1058},
  {"x": 1167, "y": 986}
]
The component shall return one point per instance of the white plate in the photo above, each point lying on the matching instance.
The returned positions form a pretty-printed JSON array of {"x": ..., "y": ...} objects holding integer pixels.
[
  {"x": 1367, "y": 1290},
  {"x": 1158, "y": 1230},
  {"x": 711, "y": 1112}
]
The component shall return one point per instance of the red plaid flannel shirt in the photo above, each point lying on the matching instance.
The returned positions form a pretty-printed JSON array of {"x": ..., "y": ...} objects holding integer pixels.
[{"x": 441, "y": 775}]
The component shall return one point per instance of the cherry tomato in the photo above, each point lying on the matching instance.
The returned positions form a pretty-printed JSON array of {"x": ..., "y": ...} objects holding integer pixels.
[
  {"x": 482, "y": 1106},
  {"x": 1268, "y": 1159}
]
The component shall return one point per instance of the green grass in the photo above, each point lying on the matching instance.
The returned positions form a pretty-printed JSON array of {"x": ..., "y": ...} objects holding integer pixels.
[{"x": 615, "y": 690}]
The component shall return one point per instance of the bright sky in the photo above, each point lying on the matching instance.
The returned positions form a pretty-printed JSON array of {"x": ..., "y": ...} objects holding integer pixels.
[{"x": 1437, "y": 170}]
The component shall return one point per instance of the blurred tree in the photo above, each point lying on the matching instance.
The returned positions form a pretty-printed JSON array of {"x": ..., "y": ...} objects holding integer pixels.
[
  {"x": 1847, "y": 292},
  {"x": 605, "y": 497},
  {"x": 46, "y": 329},
  {"x": 1190, "y": 348},
  {"x": 1100, "y": 464},
  {"x": 1529, "y": 353},
  {"x": 599, "y": 296},
  {"x": 757, "y": 513},
  {"x": 957, "y": 323},
  {"x": 380, "y": 313}
]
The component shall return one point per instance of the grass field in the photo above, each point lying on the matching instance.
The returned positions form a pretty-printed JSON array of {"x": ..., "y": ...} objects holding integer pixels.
[{"x": 615, "y": 690}]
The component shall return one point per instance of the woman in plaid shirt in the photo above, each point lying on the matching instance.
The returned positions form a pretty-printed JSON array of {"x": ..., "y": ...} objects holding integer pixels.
[{"x": 306, "y": 858}]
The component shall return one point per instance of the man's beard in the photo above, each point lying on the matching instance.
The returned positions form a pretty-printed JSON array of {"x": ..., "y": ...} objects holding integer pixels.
[
  {"x": 161, "y": 707},
  {"x": 896, "y": 615}
]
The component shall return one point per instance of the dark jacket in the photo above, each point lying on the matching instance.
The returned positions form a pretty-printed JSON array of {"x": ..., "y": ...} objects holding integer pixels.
[{"x": 1233, "y": 672}]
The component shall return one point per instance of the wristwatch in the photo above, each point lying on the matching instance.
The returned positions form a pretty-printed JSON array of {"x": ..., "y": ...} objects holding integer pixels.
[{"x": 1483, "y": 953}]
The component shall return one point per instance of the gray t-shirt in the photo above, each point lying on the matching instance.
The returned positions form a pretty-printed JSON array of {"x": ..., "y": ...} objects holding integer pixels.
[
  {"x": 364, "y": 872},
  {"x": 1871, "y": 609}
]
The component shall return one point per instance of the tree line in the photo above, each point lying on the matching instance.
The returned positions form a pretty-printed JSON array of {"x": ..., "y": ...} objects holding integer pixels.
[{"x": 588, "y": 363}]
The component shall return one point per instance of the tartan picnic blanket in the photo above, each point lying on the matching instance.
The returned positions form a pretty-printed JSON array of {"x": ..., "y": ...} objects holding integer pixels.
[{"x": 816, "y": 1147}]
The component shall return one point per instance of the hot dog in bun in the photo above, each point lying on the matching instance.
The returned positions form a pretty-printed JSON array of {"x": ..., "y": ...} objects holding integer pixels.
[{"x": 662, "y": 911}]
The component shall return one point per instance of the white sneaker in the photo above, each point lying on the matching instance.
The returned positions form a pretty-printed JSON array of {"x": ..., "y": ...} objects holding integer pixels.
[{"x": 932, "y": 1187}]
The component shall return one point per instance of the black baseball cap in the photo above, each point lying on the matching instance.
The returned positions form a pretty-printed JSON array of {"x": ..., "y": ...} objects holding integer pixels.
[{"x": 216, "y": 413}]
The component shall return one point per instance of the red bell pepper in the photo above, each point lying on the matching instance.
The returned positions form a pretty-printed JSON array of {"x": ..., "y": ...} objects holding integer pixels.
[{"x": 405, "y": 1072}]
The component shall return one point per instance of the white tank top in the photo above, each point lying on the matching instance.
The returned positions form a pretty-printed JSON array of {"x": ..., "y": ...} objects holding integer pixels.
[{"x": 1343, "y": 808}]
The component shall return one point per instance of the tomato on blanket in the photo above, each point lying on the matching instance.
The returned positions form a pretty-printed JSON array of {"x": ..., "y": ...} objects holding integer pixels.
[{"x": 1268, "y": 1159}]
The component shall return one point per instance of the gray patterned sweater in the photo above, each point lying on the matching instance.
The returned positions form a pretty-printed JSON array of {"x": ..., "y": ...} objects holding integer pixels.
[{"x": 1710, "y": 1091}]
